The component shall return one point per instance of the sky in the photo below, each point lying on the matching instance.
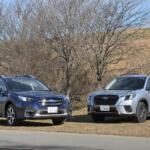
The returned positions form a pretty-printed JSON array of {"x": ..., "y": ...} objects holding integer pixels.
[
  {"x": 147, "y": 3},
  {"x": 145, "y": 6}
]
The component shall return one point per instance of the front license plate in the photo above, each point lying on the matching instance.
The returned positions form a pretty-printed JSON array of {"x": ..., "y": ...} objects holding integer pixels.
[
  {"x": 52, "y": 109},
  {"x": 104, "y": 108}
]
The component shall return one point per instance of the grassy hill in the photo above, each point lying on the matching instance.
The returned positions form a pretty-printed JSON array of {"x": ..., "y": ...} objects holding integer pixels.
[
  {"x": 138, "y": 59},
  {"x": 36, "y": 58}
]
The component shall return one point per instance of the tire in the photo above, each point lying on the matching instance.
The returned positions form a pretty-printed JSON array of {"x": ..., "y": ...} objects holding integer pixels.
[
  {"x": 11, "y": 115},
  {"x": 58, "y": 121},
  {"x": 98, "y": 118},
  {"x": 141, "y": 113}
]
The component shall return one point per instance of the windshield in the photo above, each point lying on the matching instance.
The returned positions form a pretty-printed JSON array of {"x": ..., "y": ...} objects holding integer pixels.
[
  {"x": 25, "y": 84},
  {"x": 126, "y": 83}
]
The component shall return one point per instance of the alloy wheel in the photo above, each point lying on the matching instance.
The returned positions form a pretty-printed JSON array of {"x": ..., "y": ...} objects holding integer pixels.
[{"x": 11, "y": 116}]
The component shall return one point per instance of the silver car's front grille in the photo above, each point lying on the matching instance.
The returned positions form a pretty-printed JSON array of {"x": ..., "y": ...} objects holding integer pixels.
[{"x": 106, "y": 99}]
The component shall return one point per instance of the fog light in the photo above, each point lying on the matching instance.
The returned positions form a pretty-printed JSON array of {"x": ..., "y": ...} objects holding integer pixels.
[
  {"x": 65, "y": 110},
  {"x": 128, "y": 108},
  {"x": 28, "y": 113}
]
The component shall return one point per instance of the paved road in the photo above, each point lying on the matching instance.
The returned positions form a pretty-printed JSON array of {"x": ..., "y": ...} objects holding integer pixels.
[{"x": 11, "y": 140}]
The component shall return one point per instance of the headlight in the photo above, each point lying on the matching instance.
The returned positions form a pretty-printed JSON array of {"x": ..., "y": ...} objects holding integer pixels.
[
  {"x": 26, "y": 99},
  {"x": 129, "y": 96},
  {"x": 89, "y": 100},
  {"x": 67, "y": 99}
]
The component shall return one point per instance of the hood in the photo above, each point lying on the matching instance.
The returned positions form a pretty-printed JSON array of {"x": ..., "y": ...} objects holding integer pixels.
[
  {"x": 111, "y": 92},
  {"x": 40, "y": 94}
]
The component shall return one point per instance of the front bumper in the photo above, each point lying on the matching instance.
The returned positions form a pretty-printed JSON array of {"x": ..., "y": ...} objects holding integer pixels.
[
  {"x": 39, "y": 116},
  {"x": 120, "y": 108},
  {"x": 41, "y": 112}
]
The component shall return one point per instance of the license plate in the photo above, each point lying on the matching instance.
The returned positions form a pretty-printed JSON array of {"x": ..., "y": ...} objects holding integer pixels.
[
  {"x": 52, "y": 109},
  {"x": 104, "y": 108}
]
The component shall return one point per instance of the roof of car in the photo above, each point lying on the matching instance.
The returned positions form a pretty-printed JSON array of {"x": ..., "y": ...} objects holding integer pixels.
[
  {"x": 23, "y": 76},
  {"x": 134, "y": 75},
  {"x": 16, "y": 78}
]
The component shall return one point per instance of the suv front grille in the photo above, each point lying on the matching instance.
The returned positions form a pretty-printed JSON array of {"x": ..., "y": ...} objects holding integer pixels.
[
  {"x": 106, "y": 99},
  {"x": 51, "y": 102}
]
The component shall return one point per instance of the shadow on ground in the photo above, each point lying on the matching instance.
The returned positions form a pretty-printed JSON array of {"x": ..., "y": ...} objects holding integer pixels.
[
  {"x": 28, "y": 123},
  {"x": 108, "y": 120},
  {"x": 45, "y": 148},
  {"x": 77, "y": 118}
]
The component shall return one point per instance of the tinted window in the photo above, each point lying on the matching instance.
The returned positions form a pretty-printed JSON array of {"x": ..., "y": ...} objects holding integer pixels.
[
  {"x": 148, "y": 85},
  {"x": 25, "y": 84},
  {"x": 126, "y": 83},
  {"x": 2, "y": 85}
]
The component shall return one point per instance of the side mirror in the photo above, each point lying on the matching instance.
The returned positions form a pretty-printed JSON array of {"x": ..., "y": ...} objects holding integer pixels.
[
  {"x": 50, "y": 89},
  {"x": 2, "y": 92},
  {"x": 147, "y": 89}
]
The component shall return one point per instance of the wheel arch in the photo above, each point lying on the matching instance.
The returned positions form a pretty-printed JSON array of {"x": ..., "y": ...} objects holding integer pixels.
[{"x": 146, "y": 103}]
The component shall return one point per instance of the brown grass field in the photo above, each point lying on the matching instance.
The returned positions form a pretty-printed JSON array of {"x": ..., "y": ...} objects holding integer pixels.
[{"x": 81, "y": 123}]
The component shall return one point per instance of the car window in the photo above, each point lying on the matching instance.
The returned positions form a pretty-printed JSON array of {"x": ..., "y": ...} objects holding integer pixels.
[
  {"x": 148, "y": 85},
  {"x": 25, "y": 84},
  {"x": 2, "y": 85},
  {"x": 126, "y": 83}
]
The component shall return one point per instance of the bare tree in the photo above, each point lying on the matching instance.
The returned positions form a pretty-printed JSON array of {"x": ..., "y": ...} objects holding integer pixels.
[
  {"x": 108, "y": 28},
  {"x": 1, "y": 17},
  {"x": 50, "y": 39},
  {"x": 66, "y": 28}
]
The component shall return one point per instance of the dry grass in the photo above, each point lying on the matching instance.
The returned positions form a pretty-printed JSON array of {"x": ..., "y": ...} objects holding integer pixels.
[{"x": 81, "y": 123}]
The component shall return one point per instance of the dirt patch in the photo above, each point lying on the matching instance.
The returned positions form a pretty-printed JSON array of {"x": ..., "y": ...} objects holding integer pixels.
[{"x": 81, "y": 123}]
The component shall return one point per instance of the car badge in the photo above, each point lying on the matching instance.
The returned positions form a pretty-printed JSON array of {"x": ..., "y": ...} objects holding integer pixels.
[
  {"x": 105, "y": 98},
  {"x": 52, "y": 101}
]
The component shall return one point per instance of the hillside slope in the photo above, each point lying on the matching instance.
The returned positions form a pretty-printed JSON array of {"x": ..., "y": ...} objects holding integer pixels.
[{"x": 36, "y": 58}]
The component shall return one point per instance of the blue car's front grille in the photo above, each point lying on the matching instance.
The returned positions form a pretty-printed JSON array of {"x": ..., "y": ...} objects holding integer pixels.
[{"x": 51, "y": 102}]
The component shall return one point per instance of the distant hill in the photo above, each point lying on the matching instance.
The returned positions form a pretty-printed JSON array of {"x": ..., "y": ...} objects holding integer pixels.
[{"x": 138, "y": 59}]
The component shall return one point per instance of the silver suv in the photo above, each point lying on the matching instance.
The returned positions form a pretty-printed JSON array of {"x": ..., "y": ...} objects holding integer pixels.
[{"x": 127, "y": 95}]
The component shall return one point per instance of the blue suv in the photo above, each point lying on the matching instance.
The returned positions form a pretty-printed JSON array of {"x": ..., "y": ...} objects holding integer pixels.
[{"x": 24, "y": 97}]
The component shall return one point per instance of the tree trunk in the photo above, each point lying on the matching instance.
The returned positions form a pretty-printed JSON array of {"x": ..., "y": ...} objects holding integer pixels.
[
  {"x": 67, "y": 85},
  {"x": 99, "y": 85}
]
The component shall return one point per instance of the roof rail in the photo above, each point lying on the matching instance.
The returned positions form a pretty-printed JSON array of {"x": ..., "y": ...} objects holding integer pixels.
[
  {"x": 2, "y": 76},
  {"x": 129, "y": 73},
  {"x": 28, "y": 76}
]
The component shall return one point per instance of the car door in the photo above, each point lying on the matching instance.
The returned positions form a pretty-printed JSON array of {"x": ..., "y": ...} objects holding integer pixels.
[
  {"x": 3, "y": 97},
  {"x": 148, "y": 92}
]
